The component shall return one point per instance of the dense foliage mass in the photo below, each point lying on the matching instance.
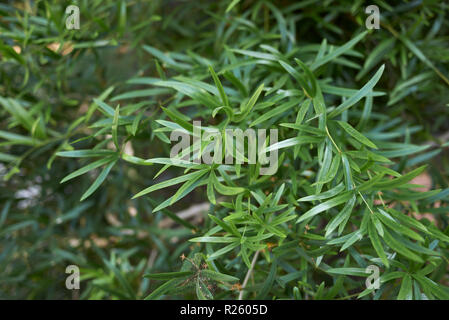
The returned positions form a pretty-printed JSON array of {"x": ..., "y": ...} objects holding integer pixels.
[{"x": 87, "y": 178}]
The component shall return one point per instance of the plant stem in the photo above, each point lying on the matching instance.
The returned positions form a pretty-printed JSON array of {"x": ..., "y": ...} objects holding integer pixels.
[{"x": 248, "y": 274}]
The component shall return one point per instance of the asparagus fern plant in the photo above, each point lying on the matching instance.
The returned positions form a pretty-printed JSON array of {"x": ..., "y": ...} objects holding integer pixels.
[{"x": 351, "y": 142}]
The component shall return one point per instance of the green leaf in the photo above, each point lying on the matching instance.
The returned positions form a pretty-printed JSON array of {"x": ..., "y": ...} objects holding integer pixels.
[
  {"x": 397, "y": 182},
  {"x": 89, "y": 167},
  {"x": 340, "y": 218},
  {"x": 166, "y": 184},
  {"x": 268, "y": 283},
  {"x": 202, "y": 292},
  {"x": 187, "y": 185},
  {"x": 246, "y": 109},
  {"x": 108, "y": 110},
  {"x": 214, "y": 239},
  {"x": 337, "y": 52},
  {"x": 356, "y": 135},
  {"x": 86, "y": 153},
  {"x": 325, "y": 195},
  {"x": 224, "y": 226},
  {"x": 406, "y": 293},
  {"x": 186, "y": 125},
  {"x": 18, "y": 112},
  {"x": 400, "y": 248},
  {"x": 359, "y": 272},
  {"x": 224, "y": 97},
  {"x": 325, "y": 206},
  {"x": 302, "y": 82},
  {"x": 124, "y": 283},
  {"x": 430, "y": 285},
  {"x": 274, "y": 112},
  {"x": 377, "y": 245},
  {"x": 169, "y": 275},
  {"x": 169, "y": 285},
  {"x": 98, "y": 181},
  {"x": 218, "y": 276},
  {"x": 232, "y": 5},
  {"x": 115, "y": 127},
  {"x": 292, "y": 142},
  {"x": 363, "y": 92},
  {"x": 394, "y": 225},
  {"x": 226, "y": 190},
  {"x": 222, "y": 251}
]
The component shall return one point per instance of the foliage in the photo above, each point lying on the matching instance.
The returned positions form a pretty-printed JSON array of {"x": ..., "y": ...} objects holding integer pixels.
[{"x": 87, "y": 114}]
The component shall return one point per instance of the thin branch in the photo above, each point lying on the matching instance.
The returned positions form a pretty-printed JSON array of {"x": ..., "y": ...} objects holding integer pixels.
[{"x": 248, "y": 274}]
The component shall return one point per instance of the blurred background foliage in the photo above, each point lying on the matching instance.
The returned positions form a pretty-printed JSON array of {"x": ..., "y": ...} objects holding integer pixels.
[{"x": 49, "y": 77}]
